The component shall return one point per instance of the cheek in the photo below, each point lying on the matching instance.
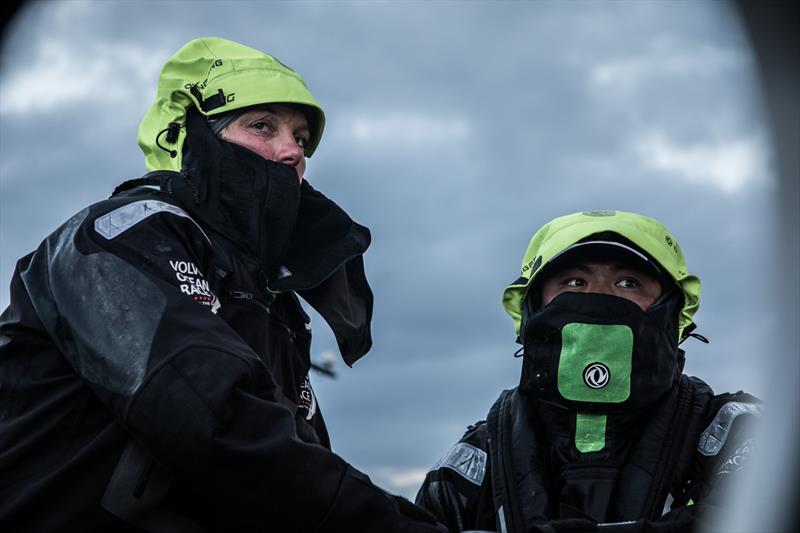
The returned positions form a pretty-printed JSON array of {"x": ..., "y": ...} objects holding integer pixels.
[
  {"x": 263, "y": 149},
  {"x": 254, "y": 144},
  {"x": 551, "y": 291},
  {"x": 650, "y": 296},
  {"x": 643, "y": 298},
  {"x": 301, "y": 168}
]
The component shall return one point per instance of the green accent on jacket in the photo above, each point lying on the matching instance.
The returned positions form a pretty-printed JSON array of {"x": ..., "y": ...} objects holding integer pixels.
[{"x": 590, "y": 432}]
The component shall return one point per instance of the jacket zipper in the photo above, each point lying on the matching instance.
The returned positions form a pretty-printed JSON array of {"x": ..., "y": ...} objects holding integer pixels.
[{"x": 244, "y": 296}]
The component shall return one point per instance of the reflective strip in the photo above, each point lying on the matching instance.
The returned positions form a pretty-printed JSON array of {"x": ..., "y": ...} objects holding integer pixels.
[
  {"x": 667, "y": 504},
  {"x": 467, "y": 460},
  {"x": 123, "y": 218},
  {"x": 713, "y": 438},
  {"x": 501, "y": 520}
]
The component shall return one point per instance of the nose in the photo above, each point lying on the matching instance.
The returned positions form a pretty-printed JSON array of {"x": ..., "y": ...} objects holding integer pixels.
[
  {"x": 601, "y": 287},
  {"x": 289, "y": 152}
]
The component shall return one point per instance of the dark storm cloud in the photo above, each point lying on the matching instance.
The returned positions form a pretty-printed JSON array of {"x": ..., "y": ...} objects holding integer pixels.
[{"x": 454, "y": 131}]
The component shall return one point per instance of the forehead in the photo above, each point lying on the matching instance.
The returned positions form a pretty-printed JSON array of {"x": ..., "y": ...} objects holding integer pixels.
[
  {"x": 590, "y": 266},
  {"x": 600, "y": 259}
]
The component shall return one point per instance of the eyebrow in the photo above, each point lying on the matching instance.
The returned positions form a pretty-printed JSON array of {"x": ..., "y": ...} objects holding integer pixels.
[
  {"x": 268, "y": 113},
  {"x": 615, "y": 266}
]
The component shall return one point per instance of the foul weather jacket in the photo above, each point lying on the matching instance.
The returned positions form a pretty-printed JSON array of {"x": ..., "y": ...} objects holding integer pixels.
[
  {"x": 505, "y": 473},
  {"x": 154, "y": 359}
]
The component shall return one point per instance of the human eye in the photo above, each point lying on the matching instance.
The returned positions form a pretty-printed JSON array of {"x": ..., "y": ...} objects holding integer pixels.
[
  {"x": 261, "y": 126},
  {"x": 574, "y": 281},
  {"x": 628, "y": 282},
  {"x": 301, "y": 140}
]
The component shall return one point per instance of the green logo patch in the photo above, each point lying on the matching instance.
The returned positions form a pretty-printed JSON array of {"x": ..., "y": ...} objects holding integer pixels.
[{"x": 595, "y": 362}]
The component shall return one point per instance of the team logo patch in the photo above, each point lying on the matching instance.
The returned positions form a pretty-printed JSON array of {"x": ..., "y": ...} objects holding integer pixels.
[
  {"x": 737, "y": 460},
  {"x": 308, "y": 401},
  {"x": 596, "y": 375},
  {"x": 193, "y": 284}
]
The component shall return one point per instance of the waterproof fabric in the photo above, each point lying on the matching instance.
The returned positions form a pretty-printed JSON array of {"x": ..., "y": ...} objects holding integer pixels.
[
  {"x": 636, "y": 351},
  {"x": 214, "y": 76},
  {"x": 647, "y": 233},
  {"x": 161, "y": 329},
  {"x": 300, "y": 239},
  {"x": 546, "y": 485},
  {"x": 604, "y": 428}
]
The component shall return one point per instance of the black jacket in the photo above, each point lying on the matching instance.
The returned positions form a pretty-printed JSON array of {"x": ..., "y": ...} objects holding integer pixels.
[
  {"x": 505, "y": 473},
  {"x": 154, "y": 359}
]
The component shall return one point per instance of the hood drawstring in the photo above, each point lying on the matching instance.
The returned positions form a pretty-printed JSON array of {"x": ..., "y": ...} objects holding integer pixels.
[
  {"x": 172, "y": 132},
  {"x": 699, "y": 337}
]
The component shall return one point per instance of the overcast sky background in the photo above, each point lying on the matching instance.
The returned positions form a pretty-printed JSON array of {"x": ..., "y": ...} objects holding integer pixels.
[{"x": 454, "y": 130}]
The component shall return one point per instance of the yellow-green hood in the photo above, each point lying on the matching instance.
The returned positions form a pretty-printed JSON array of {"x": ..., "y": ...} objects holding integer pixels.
[
  {"x": 214, "y": 76},
  {"x": 647, "y": 233}
]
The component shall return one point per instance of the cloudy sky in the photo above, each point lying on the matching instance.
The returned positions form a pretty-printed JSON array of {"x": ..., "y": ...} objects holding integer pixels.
[{"x": 454, "y": 130}]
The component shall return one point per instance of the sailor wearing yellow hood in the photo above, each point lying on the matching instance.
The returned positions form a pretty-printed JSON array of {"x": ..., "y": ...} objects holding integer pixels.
[{"x": 154, "y": 359}]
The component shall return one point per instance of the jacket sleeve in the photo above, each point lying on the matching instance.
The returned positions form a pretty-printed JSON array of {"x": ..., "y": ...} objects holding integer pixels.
[
  {"x": 122, "y": 294},
  {"x": 454, "y": 487}
]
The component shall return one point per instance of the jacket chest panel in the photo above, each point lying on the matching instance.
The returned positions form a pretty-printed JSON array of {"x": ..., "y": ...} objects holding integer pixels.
[{"x": 282, "y": 346}]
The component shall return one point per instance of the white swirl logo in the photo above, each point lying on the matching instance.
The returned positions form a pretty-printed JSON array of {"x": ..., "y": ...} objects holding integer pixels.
[{"x": 596, "y": 375}]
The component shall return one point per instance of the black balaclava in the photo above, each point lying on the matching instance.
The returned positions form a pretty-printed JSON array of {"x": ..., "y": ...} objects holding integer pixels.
[{"x": 593, "y": 364}]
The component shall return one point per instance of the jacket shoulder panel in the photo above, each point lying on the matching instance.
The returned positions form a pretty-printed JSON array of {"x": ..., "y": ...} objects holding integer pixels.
[
  {"x": 88, "y": 302},
  {"x": 713, "y": 438},
  {"x": 453, "y": 487},
  {"x": 723, "y": 448},
  {"x": 125, "y": 217},
  {"x": 466, "y": 460},
  {"x": 101, "y": 288}
]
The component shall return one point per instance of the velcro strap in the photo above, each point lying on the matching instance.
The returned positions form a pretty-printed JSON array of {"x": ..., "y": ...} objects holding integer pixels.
[{"x": 210, "y": 103}]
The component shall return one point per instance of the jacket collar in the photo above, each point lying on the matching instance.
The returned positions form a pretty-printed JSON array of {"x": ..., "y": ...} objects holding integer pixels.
[{"x": 301, "y": 240}]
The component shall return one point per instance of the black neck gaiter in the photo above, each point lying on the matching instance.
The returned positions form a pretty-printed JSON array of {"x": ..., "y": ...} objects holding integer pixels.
[
  {"x": 592, "y": 366},
  {"x": 252, "y": 201},
  {"x": 598, "y": 353}
]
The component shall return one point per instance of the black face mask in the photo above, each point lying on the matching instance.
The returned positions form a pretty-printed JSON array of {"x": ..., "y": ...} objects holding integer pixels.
[
  {"x": 593, "y": 365},
  {"x": 596, "y": 353},
  {"x": 252, "y": 201}
]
